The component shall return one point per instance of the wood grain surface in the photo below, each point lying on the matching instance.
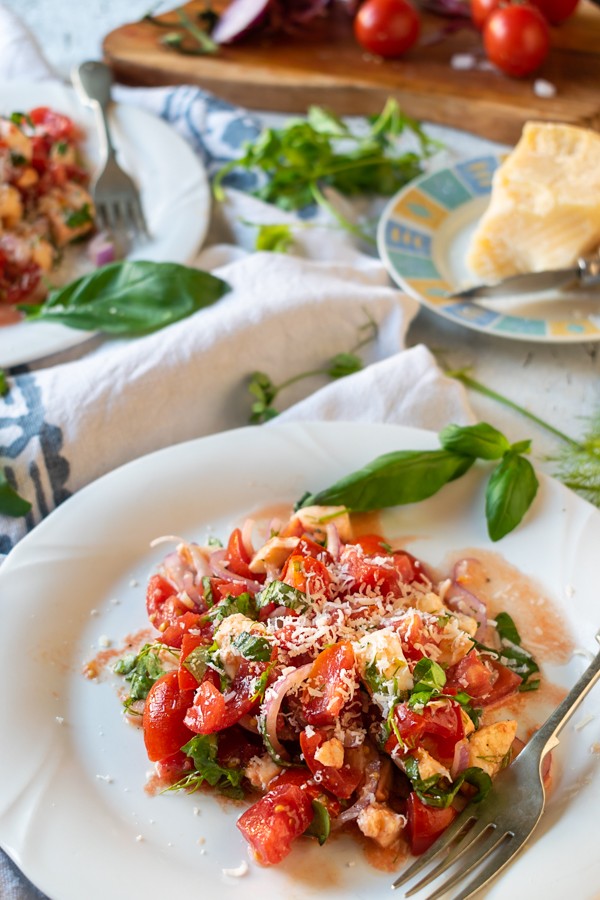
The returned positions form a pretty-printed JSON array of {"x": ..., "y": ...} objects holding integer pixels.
[{"x": 327, "y": 67}]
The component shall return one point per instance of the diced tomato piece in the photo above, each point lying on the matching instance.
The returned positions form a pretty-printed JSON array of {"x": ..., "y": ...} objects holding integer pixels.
[
  {"x": 438, "y": 729},
  {"x": 380, "y": 569},
  {"x": 222, "y": 589},
  {"x": 238, "y": 557},
  {"x": 303, "y": 778},
  {"x": 340, "y": 782},
  {"x": 307, "y": 574},
  {"x": 173, "y": 634},
  {"x": 55, "y": 125},
  {"x": 471, "y": 675},
  {"x": 507, "y": 682},
  {"x": 373, "y": 545},
  {"x": 307, "y": 547},
  {"x": 211, "y": 712},
  {"x": 425, "y": 823},
  {"x": 171, "y": 768},
  {"x": 163, "y": 719},
  {"x": 237, "y": 747},
  {"x": 411, "y": 632},
  {"x": 272, "y": 824},
  {"x": 333, "y": 668},
  {"x": 163, "y": 605},
  {"x": 189, "y": 642}
]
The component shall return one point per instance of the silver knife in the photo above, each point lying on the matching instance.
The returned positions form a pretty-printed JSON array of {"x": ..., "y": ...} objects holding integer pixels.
[{"x": 586, "y": 273}]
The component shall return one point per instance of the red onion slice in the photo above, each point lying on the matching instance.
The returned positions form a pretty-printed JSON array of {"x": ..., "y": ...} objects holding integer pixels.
[
  {"x": 267, "y": 721},
  {"x": 333, "y": 540},
  {"x": 238, "y": 18},
  {"x": 460, "y": 599},
  {"x": 247, "y": 537},
  {"x": 366, "y": 796},
  {"x": 461, "y": 758}
]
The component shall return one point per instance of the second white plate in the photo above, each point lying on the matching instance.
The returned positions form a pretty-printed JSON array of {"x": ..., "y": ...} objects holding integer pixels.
[{"x": 174, "y": 190}]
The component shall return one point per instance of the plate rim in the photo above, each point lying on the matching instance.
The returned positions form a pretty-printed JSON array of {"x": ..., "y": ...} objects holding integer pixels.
[
  {"x": 408, "y": 287},
  {"x": 96, "y": 488},
  {"x": 69, "y": 338}
]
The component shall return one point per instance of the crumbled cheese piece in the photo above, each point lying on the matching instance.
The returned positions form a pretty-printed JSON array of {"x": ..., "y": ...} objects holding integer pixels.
[
  {"x": 428, "y": 765},
  {"x": 238, "y": 872},
  {"x": 60, "y": 720},
  {"x": 196, "y": 810},
  {"x": 133, "y": 582},
  {"x": 331, "y": 753},
  {"x": 104, "y": 641},
  {"x": 381, "y": 824},
  {"x": 107, "y": 778},
  {"x": 383, "y": 650},
  {"x": 273, "y": 553},
  {"x": 488, "y": 746},
  {"x": 139, "y": 838},
  {"x": 229, "y": 629},
  {"x": 94, "y": 612},
  {"x": 261, "y": 770}
]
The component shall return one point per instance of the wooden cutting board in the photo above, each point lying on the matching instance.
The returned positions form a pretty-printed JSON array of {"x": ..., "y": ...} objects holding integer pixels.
[{"x": 325, "y": 66}]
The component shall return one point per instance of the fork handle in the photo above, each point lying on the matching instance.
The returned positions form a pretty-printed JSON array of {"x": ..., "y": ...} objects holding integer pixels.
[
  {"x": 93, "y": 81},
  {"x": 545, "y": 737}
]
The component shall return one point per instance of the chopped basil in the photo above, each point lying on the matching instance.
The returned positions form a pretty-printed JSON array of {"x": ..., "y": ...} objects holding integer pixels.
[
  {"x": 141, "y": 670},
  {"x": 17, "y": 159},
  {"x": 262, "y": 682},
  {"x": 61, "y": 147},
  {"x": 243, "y": 603},
  {"x": 511, "y": 654},
  {"x": 282, "y": 594},
  {"x": 439, "y": 792},
  {"x": 79, "y": 217},
  {"x": 214, "y": 541},
  {"x": 320, "y": 827},
  {"x": 196, "y": 662},
  {"x": 19, "y": 118},
  {"x": 202, "y": 750},
  {"x": 253, "y": 646},
  {"x": 207, "y": 591}
]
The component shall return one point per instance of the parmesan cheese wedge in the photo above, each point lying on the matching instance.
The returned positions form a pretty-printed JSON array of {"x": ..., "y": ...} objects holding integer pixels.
[{"x": 544, "y": 210}]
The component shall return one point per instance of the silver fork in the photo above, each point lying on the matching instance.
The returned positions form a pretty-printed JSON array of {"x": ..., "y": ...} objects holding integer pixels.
[
  {"x": 116, "y": 196},
  {"x": 492, "y": 832}
]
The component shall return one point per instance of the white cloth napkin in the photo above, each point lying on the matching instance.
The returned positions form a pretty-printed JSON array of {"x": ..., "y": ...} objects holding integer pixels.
[{"x": 69, "y": 420}]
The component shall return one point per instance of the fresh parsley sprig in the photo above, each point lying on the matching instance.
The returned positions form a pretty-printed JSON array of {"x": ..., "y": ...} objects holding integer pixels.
[
  {"x": 306, "y": 156},
  {"x": 408, "y": 476}
]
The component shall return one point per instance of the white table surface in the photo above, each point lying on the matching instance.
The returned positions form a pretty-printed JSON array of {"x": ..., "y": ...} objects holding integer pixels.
[{"x": 560, "y": 383}]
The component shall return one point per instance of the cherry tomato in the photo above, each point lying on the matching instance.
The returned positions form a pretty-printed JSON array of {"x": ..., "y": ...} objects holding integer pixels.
[
  {"x": 275, "y": 821},
  {"x": 211, "y": 712},
  {"x": 340, "y": 782},
  {"x": 326, "y": 678},
  {"x": 54, "y": 124},
  {"x": 237, "y": 556},
  {"x": 517, "y": 39},
  {"x": 162, "y": 603},
  {"x": 556, "y": 11},
  {"x": 425, "y": 823},
  {"x": 307, "y": 574},
  {"x": 387, "y": 27},
  {"x": 437, "y": 729},
  {"x": 164, "y": 712},
  {"x": 481, "y": 10}
]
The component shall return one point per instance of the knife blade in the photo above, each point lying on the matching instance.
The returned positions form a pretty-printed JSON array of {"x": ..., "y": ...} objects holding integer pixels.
[{"x": 585, "y": 273}]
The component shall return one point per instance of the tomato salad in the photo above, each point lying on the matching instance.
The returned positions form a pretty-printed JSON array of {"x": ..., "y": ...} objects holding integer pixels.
[
  {"x": 44, "y": 201},
  {"x": 328, "y": 678}
]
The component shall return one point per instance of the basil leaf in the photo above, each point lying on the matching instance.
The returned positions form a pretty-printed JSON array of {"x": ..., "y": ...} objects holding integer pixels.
[
  {"x": 509, "y": 494},
  {"x": 79, "y": 217},
  {"x": 438, "y": 792},
  {"x": 282, "y": 594},
  {"x": 197, "y": 662},
  {"x": 243, "y": 604},
  {"x": 207, "y": 591},
  {"x": 406, "y": 476},
  {"x": 253, "y": 646},
  {"x": 130, "y": 297},
  {"x": 203, "y": 750},
  {"x": 481, "y": 441},
  {"x": 11, "y": 503},
  {"x": 506, "y": 628},
  {"x": 141, "y": 670},
  {"x": 320, "y": 827},
  {"x": 428, "y": 676}
]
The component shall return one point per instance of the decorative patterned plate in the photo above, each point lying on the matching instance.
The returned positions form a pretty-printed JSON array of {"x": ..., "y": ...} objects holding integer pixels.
[{"x": 423, "y": 237}]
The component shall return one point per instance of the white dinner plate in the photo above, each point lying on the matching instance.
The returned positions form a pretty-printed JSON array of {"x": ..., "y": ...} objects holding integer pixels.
[
  {"x": 423, "y": 238},
  {"x": 174, "y": 191},
  {"x": 73, "y": 811}
]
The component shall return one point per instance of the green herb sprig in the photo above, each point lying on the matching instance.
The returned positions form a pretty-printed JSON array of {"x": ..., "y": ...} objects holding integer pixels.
[
  {"x": 512, "y": 654},
  {"x": 202, "y": 750},
  {"x": 129, "y": 298},
  {"x": 578, "y": 461},
  {"x": 308, "y": 155},
  {"x": 141, "y": 670},
  {"x": 265, "y": 392},
  {"x": 437, "y": 791},
  {"x": 408, "y": 476}
]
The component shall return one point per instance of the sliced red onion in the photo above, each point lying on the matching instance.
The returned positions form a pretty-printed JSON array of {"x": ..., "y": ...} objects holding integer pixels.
[
  {"x": 247, "y": 537},
  {"x": 459, "y": 599},
  {"x": 101, "y": 249},
  {"x": 333, "y": 540},
  {"x": 238, "y": 18},
  {"x": 461, "y": 758},
  {"x": 271, "y": 706},
  {"x": 366, "y": 796},
  {"x": 199, "y": 559},
  {"x": 221, "y": 571}
]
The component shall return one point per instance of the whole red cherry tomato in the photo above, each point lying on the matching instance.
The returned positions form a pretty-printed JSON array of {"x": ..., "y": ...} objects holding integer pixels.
[
  {"x": 517, "y": 39},
  {"x": 481, "y": 10},
  {"x": 387, "y": 27},
  {"x": 556, "y": 11}
]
